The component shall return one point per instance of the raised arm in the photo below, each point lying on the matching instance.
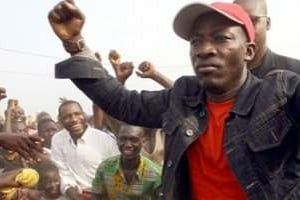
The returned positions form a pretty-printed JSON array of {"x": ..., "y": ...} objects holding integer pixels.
[
  {"x": 148, "y": 70},
  {"x": 144, "y": 109},
  {"x": 122, "y": 70}
]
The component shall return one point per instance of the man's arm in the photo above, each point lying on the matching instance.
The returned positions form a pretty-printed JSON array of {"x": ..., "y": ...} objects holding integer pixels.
[
  {"x": 122, "y": 72},
  {"x": 7, "y": 179},
  {"x": 148, "y": 70},
  {"x": 87, "y": 73}
]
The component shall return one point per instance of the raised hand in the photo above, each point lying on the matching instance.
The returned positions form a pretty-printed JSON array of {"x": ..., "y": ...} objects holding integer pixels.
[
  {"x": 66, "y": 20},
  {"x": 146, "y": 70},
  {"x": 124, "y": 70},
  {"x": 114, "y": 58}
]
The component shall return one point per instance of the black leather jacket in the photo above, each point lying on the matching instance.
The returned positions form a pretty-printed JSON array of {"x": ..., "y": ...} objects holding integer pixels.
[{"x": 262, "y": 132}]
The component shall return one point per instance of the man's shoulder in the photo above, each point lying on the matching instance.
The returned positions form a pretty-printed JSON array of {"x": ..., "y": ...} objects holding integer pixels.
[
  {"x": 110, "y": 163},
  {"x": 286, "y": 62}
]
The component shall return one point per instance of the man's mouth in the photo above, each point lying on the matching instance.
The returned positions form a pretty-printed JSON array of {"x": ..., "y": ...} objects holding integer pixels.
[{"x": 206, "y": 68}]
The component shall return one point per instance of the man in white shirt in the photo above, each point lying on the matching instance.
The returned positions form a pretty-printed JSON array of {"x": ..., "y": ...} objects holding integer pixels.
[{"x": 78, "y": 149}]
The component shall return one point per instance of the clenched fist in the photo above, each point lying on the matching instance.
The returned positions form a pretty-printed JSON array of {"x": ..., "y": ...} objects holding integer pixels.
[{"x": 66, "y": 20}]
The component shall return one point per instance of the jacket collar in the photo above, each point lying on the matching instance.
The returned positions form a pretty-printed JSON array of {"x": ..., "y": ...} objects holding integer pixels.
[
  {"x": 247, "y": 95},
  {"x": 244, "y": 101},
  {"x": 195, "y": 100}
]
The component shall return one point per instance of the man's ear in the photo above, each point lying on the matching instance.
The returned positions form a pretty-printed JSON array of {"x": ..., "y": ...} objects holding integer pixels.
[
  {"x": 250, "y": 51},
  {"x": 268, "y": 23}
]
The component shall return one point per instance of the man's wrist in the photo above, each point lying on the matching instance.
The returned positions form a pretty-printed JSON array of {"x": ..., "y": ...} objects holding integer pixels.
[{"x": 74, "y": 45}]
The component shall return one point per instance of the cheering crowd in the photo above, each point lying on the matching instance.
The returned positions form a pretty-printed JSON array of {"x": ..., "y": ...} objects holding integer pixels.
[{"x": 229, "y": 132}]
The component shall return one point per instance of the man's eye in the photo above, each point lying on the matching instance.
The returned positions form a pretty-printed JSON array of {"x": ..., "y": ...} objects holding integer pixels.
[
  {"x": 221, "y": 38},
  {"x": 194, "y": 41}
]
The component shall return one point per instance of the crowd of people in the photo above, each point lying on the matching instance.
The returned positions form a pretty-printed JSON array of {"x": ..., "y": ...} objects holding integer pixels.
[
  {"x": 230, "y": 132},
  {"x": 72, "y": 148}
]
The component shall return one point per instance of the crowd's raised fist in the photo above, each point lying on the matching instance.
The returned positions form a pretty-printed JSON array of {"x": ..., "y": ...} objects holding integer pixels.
[{"x": 66, "y": 20}]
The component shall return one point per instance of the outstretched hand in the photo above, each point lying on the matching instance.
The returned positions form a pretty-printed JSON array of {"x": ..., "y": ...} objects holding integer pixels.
[
  {"x": 146, "y": 70},
  {"x": 66, "y": 20},
  {"x": 27, "y": 146}
]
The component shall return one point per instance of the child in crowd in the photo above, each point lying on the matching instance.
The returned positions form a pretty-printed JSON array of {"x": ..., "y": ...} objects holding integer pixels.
[{"x": 49, "y": 184}]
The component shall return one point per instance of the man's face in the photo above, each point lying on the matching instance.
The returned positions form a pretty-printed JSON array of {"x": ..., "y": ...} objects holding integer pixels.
[
  {"x": 130, "y": 141},
  {"x": 218, "y": 50},
  {"x": 73, "y": 119},
  {"x": 257, "y": 11},
  {"x": 47, "y": 130}
]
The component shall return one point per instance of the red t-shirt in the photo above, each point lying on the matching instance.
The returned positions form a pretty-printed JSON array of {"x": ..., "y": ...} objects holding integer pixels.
[{"x": 210, "y": 175}]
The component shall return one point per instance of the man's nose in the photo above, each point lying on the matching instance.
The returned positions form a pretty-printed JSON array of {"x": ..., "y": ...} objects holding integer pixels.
[
  {"x": 127, "y": 143},
  {"x": 205, "y": 49},
  {"x": 74, "y": 118}
]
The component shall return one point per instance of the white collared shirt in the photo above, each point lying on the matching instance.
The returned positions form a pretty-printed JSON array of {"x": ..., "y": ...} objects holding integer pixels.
[{"x": 78, "y": 163}]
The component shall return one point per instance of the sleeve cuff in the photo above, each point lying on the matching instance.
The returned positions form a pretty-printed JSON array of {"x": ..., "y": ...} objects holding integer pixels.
[{"x": 79, "y": 67}]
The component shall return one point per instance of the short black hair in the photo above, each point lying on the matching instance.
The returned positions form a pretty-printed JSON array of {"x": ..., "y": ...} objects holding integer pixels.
[
  {"x": 67, "y": 102},
  {"x": 45, "y": 167}
]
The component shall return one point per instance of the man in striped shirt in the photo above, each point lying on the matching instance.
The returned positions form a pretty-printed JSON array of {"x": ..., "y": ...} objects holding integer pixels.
[{"x": 129, "y": 175}]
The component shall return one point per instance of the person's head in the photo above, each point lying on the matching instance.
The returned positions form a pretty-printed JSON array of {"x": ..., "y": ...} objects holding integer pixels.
[
  {"x": 42, "y": 115},
  {"x": 221, "y": 38},
  {"x": 50, "y": 181},
  {"x": 72, "y": 118},
  {"x": 130, "y": 140},
  {"x": 46, "y": 129},
  {"x": 257, "y": 9}
]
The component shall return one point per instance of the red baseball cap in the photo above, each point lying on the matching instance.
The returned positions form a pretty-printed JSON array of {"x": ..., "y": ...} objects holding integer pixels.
[{"x": 186, "y": 17}]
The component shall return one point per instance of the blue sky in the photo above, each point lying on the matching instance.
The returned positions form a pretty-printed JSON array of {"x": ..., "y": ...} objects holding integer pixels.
[{"x": 139, "y": 29}]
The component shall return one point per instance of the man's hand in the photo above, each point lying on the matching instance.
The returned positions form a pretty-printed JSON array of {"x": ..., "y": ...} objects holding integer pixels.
[
  {"x": 146, "y": 70},
  {"x": 114, "y": 59},
  {"x": 66, "y": 20},
  {"x": 122, "y": 70},
  {"x": 7, "y": 179},
  {"x": 26, "y": 145},
  {"x": 2, "y": 93}
]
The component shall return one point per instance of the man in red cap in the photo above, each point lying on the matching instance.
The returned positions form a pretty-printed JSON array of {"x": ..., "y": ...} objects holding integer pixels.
[{"x": 225, "y": 138}]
